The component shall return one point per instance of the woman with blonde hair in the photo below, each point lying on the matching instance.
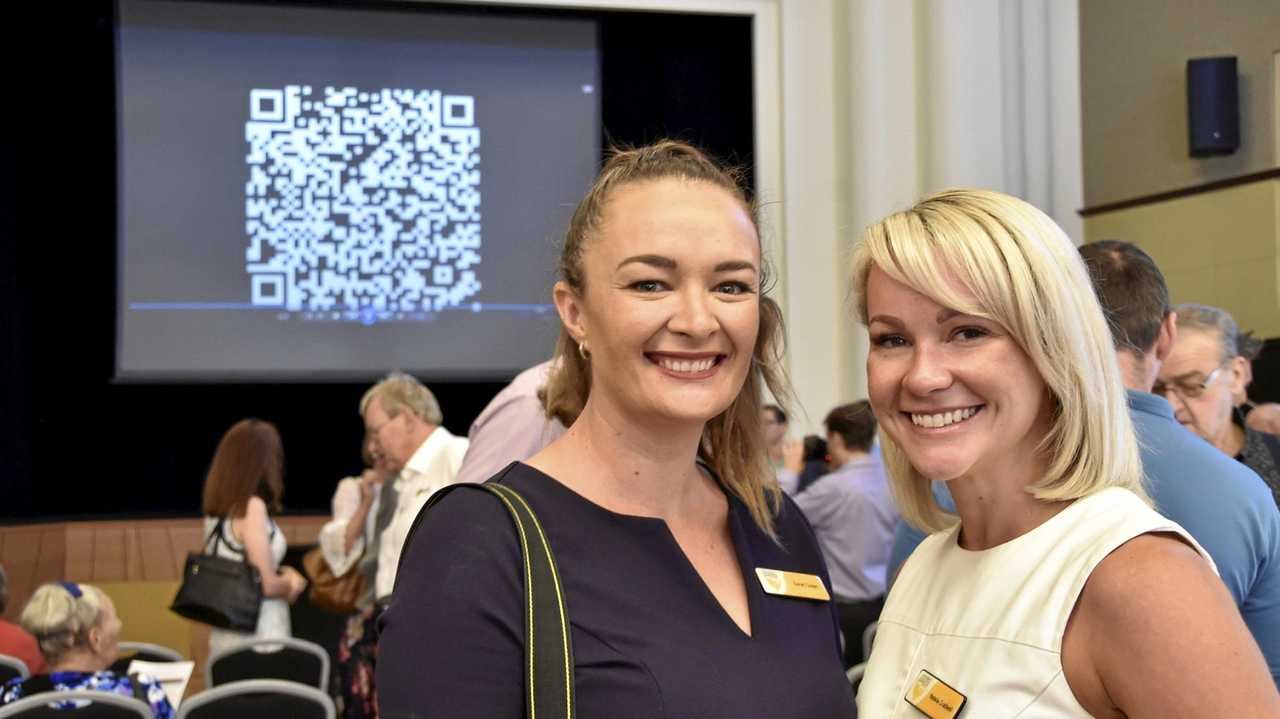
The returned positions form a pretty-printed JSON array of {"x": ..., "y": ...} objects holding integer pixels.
[
  {"x": 78, "y": 631},
  {"x": 1057, "y": 591},
  {"x": 659, "y": 502},
  {"x": 243, "y": 488}
]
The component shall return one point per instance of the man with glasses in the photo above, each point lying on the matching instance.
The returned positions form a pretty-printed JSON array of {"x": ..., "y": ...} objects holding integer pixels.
[
  {"x": 1224, "y": 505},
  {"x": 404, "y": 419},
  {"x": 1205, "y": 378}
]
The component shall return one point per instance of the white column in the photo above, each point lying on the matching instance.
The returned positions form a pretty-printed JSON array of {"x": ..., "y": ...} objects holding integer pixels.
[
  {"x": 1065, "y": 133},
  {"x": 813, "y": 280},
  {"x": 961, "y": 94}
]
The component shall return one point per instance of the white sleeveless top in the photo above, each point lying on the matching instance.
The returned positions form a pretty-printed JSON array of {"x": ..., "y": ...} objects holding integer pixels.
[
  {"x": 990, "y": 623},
  {"x": 273, "y": 620}
]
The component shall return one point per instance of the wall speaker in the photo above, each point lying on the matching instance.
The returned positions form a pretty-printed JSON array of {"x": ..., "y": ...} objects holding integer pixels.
[{"x": 1213, "y": 106}]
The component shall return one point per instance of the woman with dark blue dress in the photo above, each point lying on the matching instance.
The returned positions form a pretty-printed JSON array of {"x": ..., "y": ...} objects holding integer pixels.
[{"x": 661, "y": 507}]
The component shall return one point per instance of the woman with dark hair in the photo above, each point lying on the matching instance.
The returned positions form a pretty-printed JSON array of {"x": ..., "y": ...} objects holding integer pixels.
[
  {"x": 659, "y": 502},
  {"x": 243, "y": 488}
]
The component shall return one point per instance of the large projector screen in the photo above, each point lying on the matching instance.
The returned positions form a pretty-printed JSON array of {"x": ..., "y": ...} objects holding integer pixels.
[{"x": 317, "y": 192}]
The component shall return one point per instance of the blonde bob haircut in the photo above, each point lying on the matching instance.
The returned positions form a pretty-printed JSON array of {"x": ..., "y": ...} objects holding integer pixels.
[
  {"x": 59, "y": 621},
  {"x": 1022, "y": 272}
]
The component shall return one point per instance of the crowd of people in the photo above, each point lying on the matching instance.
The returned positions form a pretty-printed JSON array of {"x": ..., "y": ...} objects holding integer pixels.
[{"x": 1056, "y": 500}]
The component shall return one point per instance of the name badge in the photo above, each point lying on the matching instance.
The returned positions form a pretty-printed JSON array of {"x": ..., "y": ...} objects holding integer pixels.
[
  {"x": 792, "y": 584},
  {"x": 935, "y": 698}
]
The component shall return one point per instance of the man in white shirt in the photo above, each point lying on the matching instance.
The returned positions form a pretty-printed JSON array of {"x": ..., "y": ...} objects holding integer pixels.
[{"x": 405, "y": 419}]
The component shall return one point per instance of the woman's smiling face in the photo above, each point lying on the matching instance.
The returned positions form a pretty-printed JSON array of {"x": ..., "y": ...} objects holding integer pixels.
[
  {"x": 670, "y": 310},
  {"x": 955, "y": 392}
]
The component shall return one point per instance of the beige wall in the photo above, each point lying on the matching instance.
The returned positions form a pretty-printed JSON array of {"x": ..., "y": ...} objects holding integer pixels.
[
  {"x": 1133, "y": 56},
  {"x": 1220, "y": 248}
]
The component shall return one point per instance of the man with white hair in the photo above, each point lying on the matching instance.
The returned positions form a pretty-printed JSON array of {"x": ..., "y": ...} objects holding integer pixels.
[{"x": 405, "y": 420}]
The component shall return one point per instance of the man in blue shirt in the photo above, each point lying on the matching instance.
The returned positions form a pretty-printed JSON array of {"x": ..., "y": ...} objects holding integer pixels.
[
  {"x": 1219, "y": 501},
  {"x": 853, "y": 516}
]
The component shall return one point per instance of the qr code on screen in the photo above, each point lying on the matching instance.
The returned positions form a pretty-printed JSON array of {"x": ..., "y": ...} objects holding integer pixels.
[{"x": 362, "y": 200}]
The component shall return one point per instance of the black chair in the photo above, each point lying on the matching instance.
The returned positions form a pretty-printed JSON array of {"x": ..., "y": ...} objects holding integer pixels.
[
  {"x": 145, "y": 652},
  {"x": 12, "y": 668},
  {"x": 259, "y": 698},
  {"x": 293, "y": 659},
  {"x": 100, "y": 705}
]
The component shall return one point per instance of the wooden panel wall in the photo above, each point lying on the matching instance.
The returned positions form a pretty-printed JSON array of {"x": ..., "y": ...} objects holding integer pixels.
[
  {"x": 1219, "y": 248},
  {"x": 128, "y": 558},
  {"x": 110, "y": 551}
]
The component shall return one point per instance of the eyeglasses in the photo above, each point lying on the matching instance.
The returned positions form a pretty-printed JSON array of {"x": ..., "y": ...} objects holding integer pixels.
[{"x": 1183, "y": 388}]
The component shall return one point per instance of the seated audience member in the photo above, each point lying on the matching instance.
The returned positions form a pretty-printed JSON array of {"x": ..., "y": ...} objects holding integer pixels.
[
  {"x": 405, "y": 420},
  {"x": 853, "y": 516},
  {"x": 775, "y": 431},
  {"x": 1219, "y": 502},
  {"x": 815, "y": 461},
  {"x": 1206, "y": 377},
  {"x": 1060, "y": 591},
  {"x": 362, "y": 507},
  {"x": 514, "y": 426},
  {"x": 14, "y": 641},
  {"x": 78, "y": 630},
  {"x": 783, "y": 452}
]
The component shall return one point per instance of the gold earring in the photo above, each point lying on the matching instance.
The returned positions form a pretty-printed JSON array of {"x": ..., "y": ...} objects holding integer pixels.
[{"x": 583, "y": 351}]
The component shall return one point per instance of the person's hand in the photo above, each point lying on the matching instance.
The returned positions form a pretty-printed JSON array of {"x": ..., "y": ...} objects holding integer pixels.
[
  {"x": 793, "y": 455},
  {"x": 297, "y": 583},
  {"x": 1264, "y": 418},
  {"x": 368, "y": 481}
]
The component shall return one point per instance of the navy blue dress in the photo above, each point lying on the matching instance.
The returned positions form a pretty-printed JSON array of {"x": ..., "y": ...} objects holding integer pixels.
[{"x": 649, "y": 638}]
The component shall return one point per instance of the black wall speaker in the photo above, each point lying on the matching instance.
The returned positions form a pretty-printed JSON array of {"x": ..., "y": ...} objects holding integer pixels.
[{"x": 1213, "y": 106}]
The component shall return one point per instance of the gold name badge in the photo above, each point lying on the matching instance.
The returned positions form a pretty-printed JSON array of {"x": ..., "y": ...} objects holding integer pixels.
[
  {"x": 935, "y": 698},
  {"x": 792, "y": 584}
]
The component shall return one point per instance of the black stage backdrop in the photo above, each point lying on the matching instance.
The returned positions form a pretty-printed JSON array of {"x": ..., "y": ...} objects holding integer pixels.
[{"x": 72, "y": 443}]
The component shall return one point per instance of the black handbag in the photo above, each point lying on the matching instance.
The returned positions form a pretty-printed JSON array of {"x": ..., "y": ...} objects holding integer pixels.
[
  {"x": 218, "y": 591},
  {"x": 548, "y": 686}
]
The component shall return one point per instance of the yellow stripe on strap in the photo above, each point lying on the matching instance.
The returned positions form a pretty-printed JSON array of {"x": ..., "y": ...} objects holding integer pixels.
[
  {"x": 528, "y": 573},
  {"x": 564, "y": 624}
]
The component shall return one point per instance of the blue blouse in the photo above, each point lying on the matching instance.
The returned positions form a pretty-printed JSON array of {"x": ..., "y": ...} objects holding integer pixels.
[{"x": 104, "y": 681}]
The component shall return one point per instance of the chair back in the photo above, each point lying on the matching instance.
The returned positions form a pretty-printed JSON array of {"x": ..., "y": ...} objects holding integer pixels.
[
  {"x": 259, "y": 698},
  {"x": 869, "y": 639},
  {"x": 291, "y": 659},
  {"x": 854, "y": 675},
  {"x": 143, "y": 651},
  {"x": 81, "y": 704},
  {"x": 12, "y": 668}
]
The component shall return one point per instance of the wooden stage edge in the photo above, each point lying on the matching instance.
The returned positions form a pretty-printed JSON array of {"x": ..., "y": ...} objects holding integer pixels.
[{"x": 138, "y": 563}]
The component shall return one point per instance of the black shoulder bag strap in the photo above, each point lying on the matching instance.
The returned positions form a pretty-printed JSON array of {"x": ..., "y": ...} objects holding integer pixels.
[
  {"x": 548, "y": 651},
  {"x": 215, "y": 536},
  {"x": 219, "y": 535}
]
